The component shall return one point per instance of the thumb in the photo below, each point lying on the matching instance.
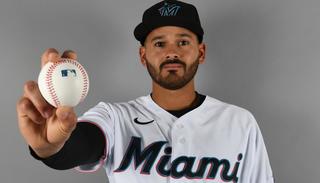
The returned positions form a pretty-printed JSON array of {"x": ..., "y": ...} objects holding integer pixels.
[{"x": 67, "y": 119}]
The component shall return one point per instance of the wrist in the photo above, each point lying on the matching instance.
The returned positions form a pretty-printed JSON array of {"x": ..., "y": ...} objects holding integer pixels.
[{"x": 44, "y": 153}]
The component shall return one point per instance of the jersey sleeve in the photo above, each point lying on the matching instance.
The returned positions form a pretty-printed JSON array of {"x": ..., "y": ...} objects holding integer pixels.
[
  {"x": 102, "y": 116},
  {"x": 257, "y": 167}
]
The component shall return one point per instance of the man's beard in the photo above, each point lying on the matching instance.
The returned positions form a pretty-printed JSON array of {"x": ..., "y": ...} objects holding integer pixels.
[{"x": 173, "y": 81}]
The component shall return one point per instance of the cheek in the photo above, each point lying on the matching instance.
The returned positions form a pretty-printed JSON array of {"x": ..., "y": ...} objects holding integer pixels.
[
  {"x": 191, "y": 55},
  {"x": 152, "y": 63},
  {"x": 154, "y": 54},
  {"x": 153, "y": 58}
]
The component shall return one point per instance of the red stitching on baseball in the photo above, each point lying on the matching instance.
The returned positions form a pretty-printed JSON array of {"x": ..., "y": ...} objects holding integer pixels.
[
  {"x": 84, "y": 76},
  {"x": 49, "y": 85}
]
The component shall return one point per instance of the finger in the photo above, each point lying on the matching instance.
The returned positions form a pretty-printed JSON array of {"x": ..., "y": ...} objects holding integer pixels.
[
  {"x": 26, "y": 109},
  {"x": 69, "y": 54},
  {"x": 32, "y": 92},
  {"x": 67, "y": 118},
  {"x": 28, "y": 128},
  {"x": 50, "y": 55}
]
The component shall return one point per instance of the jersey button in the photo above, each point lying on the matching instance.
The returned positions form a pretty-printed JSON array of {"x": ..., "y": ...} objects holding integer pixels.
[
  {"x": 180, "y": 126},
  {"x": 182, "y": 140}
]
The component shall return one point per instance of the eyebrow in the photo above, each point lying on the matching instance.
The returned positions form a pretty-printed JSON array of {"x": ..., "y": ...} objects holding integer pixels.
[
  {"x": 178, "y": 35},
  {"x": 157, "y": 37},
  {"x": 184, "y": 35}
]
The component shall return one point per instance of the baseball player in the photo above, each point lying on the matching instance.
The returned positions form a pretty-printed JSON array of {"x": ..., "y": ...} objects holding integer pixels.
[{"x": 174, "y": 134}]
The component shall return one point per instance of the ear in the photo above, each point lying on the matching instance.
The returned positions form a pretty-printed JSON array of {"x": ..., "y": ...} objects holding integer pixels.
[
  {"x": 142, "y": 53},
  {"x": 202, "y": 53}
]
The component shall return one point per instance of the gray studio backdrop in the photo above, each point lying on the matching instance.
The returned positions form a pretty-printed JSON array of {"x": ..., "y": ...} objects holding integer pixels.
[{"x": 262, "y": 55}]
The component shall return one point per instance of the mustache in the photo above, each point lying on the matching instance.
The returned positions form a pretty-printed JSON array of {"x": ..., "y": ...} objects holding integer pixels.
[{"x": 172, "y": 61}]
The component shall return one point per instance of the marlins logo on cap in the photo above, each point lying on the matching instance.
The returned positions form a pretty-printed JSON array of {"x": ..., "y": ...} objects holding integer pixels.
[{"x": 169, "y": 10}]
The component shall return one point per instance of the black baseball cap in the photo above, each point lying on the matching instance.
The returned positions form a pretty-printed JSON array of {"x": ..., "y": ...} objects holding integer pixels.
[{"x": 169, "y": 13}]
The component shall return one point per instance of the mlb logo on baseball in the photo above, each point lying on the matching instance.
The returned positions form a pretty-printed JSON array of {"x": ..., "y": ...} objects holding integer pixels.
[{"x": 65, "y": 72}]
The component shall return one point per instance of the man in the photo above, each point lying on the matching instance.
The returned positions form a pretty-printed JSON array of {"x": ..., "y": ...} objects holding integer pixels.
[{"x": 174, "y": 134}]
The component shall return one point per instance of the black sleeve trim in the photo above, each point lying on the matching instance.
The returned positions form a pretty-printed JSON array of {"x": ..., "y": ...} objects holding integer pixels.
[{"x": 86, "y": 145}]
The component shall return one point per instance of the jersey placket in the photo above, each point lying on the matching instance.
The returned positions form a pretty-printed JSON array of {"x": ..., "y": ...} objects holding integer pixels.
[{"x": 178, "y": 138}]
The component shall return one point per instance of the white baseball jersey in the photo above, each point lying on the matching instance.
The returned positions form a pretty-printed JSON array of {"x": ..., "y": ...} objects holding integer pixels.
[{"x": 216, "y": 142}]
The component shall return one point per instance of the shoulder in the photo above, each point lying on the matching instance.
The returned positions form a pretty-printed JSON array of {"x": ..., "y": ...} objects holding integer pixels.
[
  {"x": 117, "y": 107},
  {"x": 229, "y": 112},
  {"x": 216, "y": 104}
]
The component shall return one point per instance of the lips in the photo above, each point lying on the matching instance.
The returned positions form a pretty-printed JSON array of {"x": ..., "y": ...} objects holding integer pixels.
[{"x": 172, "y": 66}]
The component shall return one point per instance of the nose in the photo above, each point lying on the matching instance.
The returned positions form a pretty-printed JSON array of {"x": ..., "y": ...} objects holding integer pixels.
[
  {"x": 172, "y": 53},
  {"x": 172, "y": 56}
]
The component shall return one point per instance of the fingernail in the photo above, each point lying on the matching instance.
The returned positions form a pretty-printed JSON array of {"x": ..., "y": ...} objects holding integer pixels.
[
  {"x": 69, "y": 54},
  {"x": 65, "y": 115},
  {"x": 52, "y": 57}
]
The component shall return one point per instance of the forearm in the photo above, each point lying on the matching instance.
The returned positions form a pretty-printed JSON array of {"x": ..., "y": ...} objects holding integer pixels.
[{"x": 85, "y": 145}]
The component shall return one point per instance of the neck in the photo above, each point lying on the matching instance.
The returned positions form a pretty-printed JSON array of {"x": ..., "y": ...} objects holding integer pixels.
[{"x": 174, "y": 99}]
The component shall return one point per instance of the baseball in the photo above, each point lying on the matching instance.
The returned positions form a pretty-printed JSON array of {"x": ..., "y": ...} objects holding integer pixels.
[{"x": 63, "y": 83}]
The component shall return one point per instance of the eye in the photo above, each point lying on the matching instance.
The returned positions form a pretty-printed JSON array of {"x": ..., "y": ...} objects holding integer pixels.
[
  {"x": 183, "y": 42},
  {"x": 159, "y": 44}
]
